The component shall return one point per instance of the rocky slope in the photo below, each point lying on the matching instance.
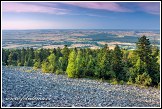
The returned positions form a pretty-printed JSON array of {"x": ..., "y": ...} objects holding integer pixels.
[{"x": 24, "y": 87}]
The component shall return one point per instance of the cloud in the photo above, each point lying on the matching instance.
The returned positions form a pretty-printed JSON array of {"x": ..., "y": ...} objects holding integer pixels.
[
  {"x": 150, "y": 7},
  {"x": 34, "y": 8},
  {"x": 95, "y": 15},
  {"x": 31, "y": 24},
  {"x": 52, "y": 7},
  {"x": 87, "y": 14},
  {"x": 109, "y": 6}
]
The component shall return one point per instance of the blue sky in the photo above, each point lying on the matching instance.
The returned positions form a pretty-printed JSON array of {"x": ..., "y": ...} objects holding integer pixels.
[{"x": 81, "y": 15}]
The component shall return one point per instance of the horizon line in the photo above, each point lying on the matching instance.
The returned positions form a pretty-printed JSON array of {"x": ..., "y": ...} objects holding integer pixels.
[{"x": 81, "y": 29}]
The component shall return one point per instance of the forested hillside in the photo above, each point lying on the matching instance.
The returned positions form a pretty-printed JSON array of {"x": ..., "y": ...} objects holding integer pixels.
[{"x": 140, "y": 66}]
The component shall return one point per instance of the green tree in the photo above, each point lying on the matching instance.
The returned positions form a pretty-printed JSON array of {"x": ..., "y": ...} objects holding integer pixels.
[
  {"x": 71, "y": 68},
  {"x": 79, "y": 64},
  {"x": 12, "y": 58},
  {"x": 23, "y": 53},
  {"x": 144, "y": 48},
  {"x": 37, "y": 64},
  {"x": 18, "y": 51},
  {"x": 5, "y": 53},
  {"x": 148, "y": 56},
  {"x": 58, "y": 53},
  {"x": 98, "y": 67},
  {"x": 45, "y": 67},
  {"x": 64, "y": 59},
  {"x": 60, "y": 66},
  {"x": 37, "y": 59},
  {"x": 90, "y": 67},
  {"x": 103, "y": 68},
  {"x": 117, "y": 64},
  {"x": 29, "y": 57},
  {"x": 52, "y": 63}
]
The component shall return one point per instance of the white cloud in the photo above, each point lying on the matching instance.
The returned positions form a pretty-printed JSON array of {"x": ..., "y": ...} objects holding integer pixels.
[{"x": 35, "y": 8}]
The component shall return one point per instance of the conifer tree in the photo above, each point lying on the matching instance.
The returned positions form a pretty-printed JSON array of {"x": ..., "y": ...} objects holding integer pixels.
[
  {"x": 117, "y": 65},
  {"x": 71, "y": 68}
]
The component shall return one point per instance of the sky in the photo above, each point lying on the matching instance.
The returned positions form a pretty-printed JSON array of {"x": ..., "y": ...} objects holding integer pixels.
[{"x": 80, "y": 15}]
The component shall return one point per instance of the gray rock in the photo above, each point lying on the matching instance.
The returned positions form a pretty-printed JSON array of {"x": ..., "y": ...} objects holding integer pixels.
[
  {"x": 9, "y": 105},
  {"x": 50, "y": 90}
]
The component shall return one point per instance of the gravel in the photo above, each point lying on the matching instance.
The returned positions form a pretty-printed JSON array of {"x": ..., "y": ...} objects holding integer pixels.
[{"x": 25, "y": 87}]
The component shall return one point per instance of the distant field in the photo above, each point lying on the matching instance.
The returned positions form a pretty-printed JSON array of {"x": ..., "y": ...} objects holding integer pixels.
[{"x": 75, "y": 38}]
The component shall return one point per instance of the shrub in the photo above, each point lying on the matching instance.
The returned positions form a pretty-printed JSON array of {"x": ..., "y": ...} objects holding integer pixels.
[
  {"x": 114, "y": 81},
  {"x": 130, "y": 82},
  {"x": 45, "y": 67},
  {"x": 59, "y": 71},
  {"x": 28, "y": 71},
  {"x": 121, "y": 82},
  {"x": 19, "y": 64},
  {"x": 144, "y": 79},
  {"x": 36, "y": 65}
]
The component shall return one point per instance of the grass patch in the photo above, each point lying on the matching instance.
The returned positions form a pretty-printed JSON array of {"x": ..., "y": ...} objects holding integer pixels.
[
  {"x": 114, "y": 81},
  {"x": 28, "y": 71}
]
